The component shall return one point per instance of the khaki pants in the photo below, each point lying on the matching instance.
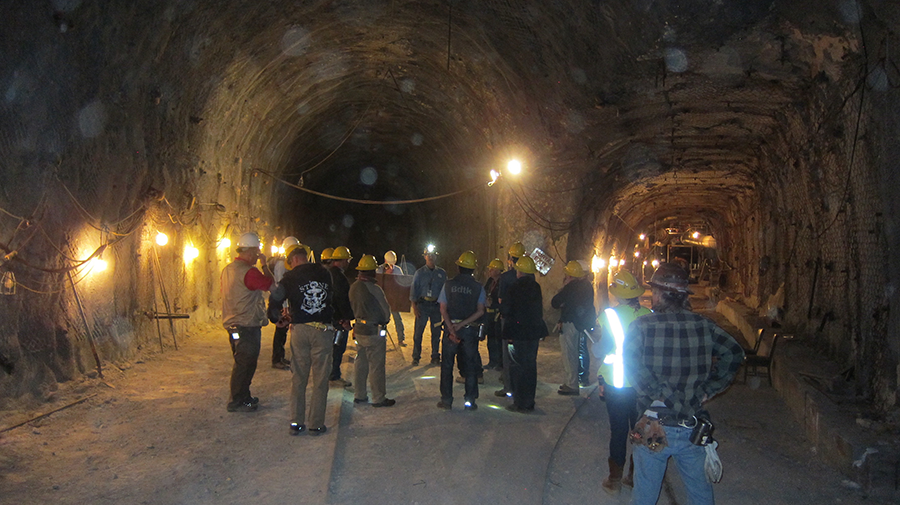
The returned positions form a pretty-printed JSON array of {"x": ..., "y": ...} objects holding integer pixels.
[
  {"x": 569, "y": 338},
  {"x": 310, "y": 358},
  {"x": 370, "y": 357}
]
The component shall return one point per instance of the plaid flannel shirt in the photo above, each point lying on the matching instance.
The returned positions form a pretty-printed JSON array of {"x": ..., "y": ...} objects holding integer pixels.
[{"x": 679, "y": 357}]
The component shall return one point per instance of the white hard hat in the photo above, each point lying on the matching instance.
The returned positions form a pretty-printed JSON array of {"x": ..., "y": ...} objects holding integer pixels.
[
  {"x": 390, "y": 258},
  {"x": 248, "y": 239},
  {"x": 289, "y": 241}
]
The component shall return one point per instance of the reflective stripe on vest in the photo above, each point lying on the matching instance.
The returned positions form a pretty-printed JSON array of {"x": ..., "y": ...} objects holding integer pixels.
[{"x": 618, "y": 364}]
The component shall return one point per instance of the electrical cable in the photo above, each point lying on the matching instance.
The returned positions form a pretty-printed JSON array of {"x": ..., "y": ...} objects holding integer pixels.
[
  {"x": 10, "y": 214},
  {"x": 369, "y": 202}
]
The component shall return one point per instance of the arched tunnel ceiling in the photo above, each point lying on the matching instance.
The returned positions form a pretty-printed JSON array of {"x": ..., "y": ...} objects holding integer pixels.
[{"x": 671, "y": 101}]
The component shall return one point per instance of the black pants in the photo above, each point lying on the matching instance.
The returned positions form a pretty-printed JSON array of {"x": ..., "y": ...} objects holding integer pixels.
[
  {"x": 584, "y": 359},
  {"x": 494, "y": 339},
  {"x": 621, "y": 405},
  {"x": 523, "y": 371},
  {"x": 278, "y": 342},
  {"x": 337, "y": 357},
  {"x": 468, "y": 353},
  {"x": 246, "y": 354}
]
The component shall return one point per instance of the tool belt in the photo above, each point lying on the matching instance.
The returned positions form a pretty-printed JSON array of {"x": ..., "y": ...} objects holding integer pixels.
[
  {"x": 320, "y": 326},
  {"x": 470, "y": 325},
  {"x": 427, "y": 299}
]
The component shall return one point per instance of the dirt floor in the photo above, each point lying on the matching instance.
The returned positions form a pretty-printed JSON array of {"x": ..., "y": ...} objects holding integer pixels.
[{"x": 156, "y": 431}]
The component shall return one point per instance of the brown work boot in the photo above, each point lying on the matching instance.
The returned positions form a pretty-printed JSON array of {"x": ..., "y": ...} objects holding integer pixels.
[
  {"x": 613, "y": 483},
  {"x": 628, "y": 480}
]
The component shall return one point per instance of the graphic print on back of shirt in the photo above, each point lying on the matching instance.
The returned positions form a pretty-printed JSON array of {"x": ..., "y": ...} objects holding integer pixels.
[{"x": 314, "y": 295}]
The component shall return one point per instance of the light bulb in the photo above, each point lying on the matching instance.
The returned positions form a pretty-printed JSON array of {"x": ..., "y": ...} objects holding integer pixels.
[
  {"x": 162, "y": 239},
  {"x": 190, "y": 253}
]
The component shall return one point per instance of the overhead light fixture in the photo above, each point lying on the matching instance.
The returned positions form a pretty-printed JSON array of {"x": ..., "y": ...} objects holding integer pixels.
[
  {"x": 696, "y": 234},
  {"x": 274, "y": 249},
  {"x": 642, "y": 236},
  {"x": 655, "y": 263},
  {"x": 597, "y": 264},
  {"x": 637, "y": 254},
  {"x": 224, "y": 243},
  {"x": 161, "y": 239},
  {"x": 514, "y": 167}
]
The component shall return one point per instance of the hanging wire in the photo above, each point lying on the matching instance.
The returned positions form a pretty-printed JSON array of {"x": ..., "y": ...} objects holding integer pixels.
[{"x": 369, "y": 202}]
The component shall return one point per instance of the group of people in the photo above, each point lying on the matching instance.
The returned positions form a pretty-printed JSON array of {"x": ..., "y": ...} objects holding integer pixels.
[
  {"x": 322, "y": 308},
  {"x": 658, "y": 368}
]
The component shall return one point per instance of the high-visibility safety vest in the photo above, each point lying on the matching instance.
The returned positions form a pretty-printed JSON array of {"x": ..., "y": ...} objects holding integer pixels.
[{"x": 615, "y": 322}]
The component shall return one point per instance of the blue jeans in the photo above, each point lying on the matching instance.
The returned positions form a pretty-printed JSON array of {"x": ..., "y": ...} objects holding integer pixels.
[
  {"x": 467, "y": 352},
  {"x": 650, "y": 468},
  {"x": 432, "y": 312}
]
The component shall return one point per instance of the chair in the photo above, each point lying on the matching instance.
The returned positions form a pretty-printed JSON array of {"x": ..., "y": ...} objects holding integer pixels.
[
  {"x": 755, "y": 349},
  {"x": 763, "y": 355}
]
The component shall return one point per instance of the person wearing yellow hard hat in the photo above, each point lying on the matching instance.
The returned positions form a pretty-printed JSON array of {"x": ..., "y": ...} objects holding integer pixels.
[
  {"x": 343, "y": 311},
  {"x": 507, "y": 278},
  {"x": 492, "y": 316},
  {"x": 426, "y": 286},
  {"x": 307, "y": 287},
  {"x": 244, "y": 315},
  {"x": 372, "y": 312},
  {"x": 391, "y": 267},
  {"x": 325, "y": 258},
  {"x": 621, "y": 399},
  {"x": 462, "y": 305},
  {"x": 524, "y": 329},
  {"x": 576, "y": 304}
]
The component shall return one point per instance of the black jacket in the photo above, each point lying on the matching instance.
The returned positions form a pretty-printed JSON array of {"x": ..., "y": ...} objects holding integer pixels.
[
  {"x": 576, "y": 301},
  {"x": 525, "y": 311},
  {"x": 342, "y": 309}
]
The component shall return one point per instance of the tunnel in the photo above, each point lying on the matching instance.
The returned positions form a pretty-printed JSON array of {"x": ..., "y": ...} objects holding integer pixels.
[{"x": 755, "y": 139}]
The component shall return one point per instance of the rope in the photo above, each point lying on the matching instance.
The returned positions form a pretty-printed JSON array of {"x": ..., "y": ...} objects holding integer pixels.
[{"x": 368, "y": 202}]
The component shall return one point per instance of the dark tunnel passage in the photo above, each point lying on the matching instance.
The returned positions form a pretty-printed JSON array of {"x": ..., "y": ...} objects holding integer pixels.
[{"x": 756, "y": 139}]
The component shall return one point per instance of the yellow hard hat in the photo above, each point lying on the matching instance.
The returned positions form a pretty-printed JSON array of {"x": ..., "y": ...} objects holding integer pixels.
[
  {"x": 390, "y": 257},
  {"x": 573, "y": 269},
  {"x": 526, "y": 265},
  {"x": 467, "y": 260},
  {"x": 326, "y": 253},
  {"x": 341, "y": 253},
  {"x": 625, "y": 286},
  {"x": 496, "y": 263},
  {"x": 517, "y": 250},
  {"x": 367, "y": 262},
  {"x": 290, "y": 249}
]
